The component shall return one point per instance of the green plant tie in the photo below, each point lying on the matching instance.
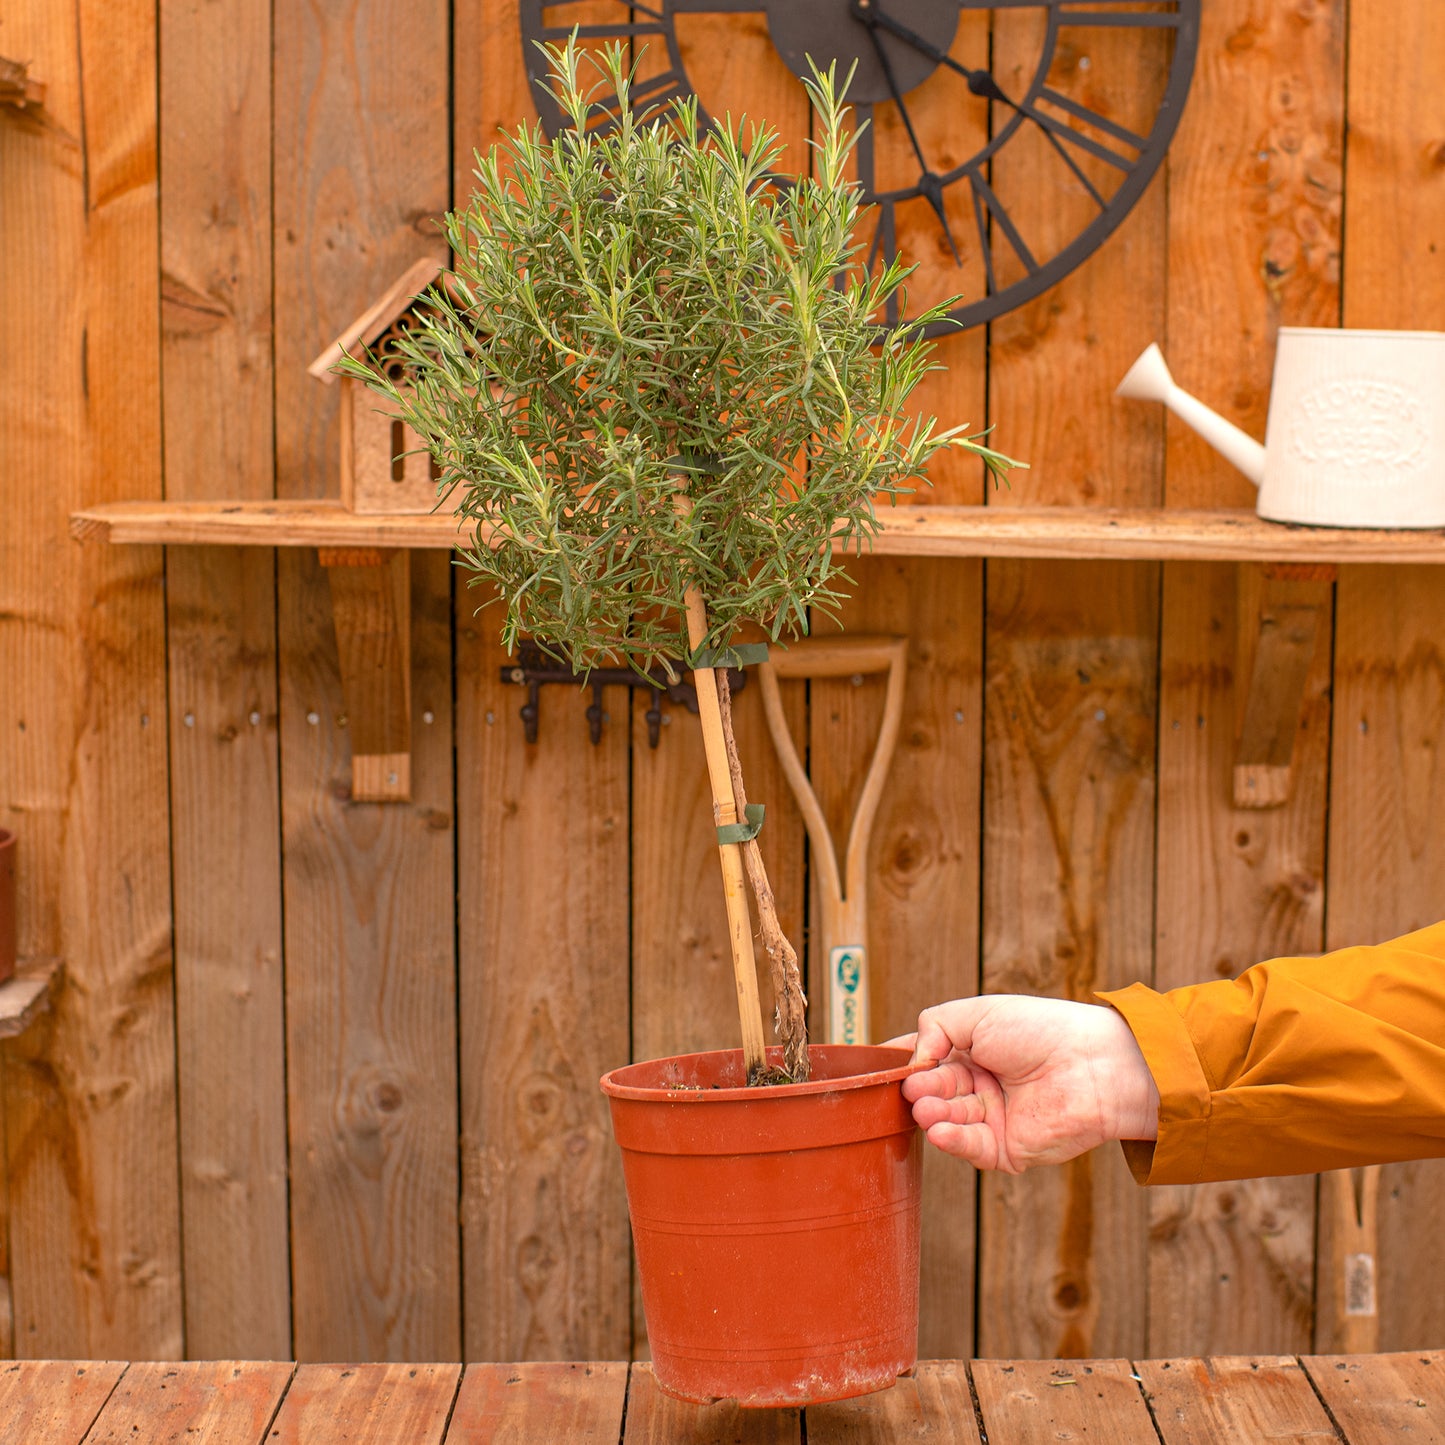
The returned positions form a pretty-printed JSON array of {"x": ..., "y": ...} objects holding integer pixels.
[
  {"x": 743, "y": 832},
  {"x": 733, "y": 654}
]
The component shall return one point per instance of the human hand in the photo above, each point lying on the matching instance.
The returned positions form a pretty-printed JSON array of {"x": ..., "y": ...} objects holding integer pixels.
[{"x": 1023, "y": 1081}]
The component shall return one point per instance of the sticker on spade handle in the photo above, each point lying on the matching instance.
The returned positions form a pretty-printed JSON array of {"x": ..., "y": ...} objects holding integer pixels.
[{"x": 848, "y": 995}]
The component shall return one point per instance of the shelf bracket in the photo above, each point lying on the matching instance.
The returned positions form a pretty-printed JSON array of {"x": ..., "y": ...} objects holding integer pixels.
[
  {"x": 371, "y": 611},
  {"x": 1288, "y": 630},
  {"x": 17, "y": 86}
]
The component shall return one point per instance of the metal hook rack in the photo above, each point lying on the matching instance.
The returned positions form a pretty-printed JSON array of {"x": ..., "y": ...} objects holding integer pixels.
[{"x": 534, "y": 670}]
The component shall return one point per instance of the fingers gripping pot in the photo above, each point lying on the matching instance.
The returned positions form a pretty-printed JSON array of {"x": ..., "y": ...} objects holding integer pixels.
[{"x": 776, "y": 1229}]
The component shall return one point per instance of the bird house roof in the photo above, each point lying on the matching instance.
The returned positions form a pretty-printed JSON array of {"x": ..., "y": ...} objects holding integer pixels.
[{"x": 395, "y": 300}]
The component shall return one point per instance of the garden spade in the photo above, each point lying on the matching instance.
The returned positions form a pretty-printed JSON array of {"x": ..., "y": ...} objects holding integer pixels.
[{"x": 844, "y": 931}]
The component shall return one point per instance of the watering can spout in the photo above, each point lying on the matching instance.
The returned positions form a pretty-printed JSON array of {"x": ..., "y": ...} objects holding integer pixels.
[{"x": 1149, "y": 380}]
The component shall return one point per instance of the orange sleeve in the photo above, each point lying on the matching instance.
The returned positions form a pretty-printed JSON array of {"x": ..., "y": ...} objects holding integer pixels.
[{"x": 1298, "y": 1065}]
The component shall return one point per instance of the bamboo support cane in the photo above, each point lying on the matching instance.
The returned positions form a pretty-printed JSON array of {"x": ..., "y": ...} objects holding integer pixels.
[{"x": 725, "y": 812}]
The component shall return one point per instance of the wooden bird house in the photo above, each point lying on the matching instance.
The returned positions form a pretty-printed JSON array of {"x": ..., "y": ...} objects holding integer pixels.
[
  {"x": 384, "y": 469},
  {"x": 384, "y": 465}
]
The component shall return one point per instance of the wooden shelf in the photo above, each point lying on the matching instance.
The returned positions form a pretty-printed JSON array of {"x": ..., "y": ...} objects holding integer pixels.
[
  {"x": 259, "y": 524},
  {"x": 919, "y": 531},
  {"x": 26, "y": 996}
]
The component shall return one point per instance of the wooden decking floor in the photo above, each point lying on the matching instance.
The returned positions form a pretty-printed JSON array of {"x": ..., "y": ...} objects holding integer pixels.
[{"x": 1359, "y": 1399}]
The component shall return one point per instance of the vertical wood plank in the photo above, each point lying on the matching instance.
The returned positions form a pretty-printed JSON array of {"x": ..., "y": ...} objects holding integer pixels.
[
  {"x": 1068, "y": 790},
  {"x": 1029, "y": 1402},
  {"x": 7, "y": 1305},
  {"x": 1070, "y": 699},
  {"x": 1198, "y": 1402},
  {"x": 522, "y": 1403},
  {"x": 367, "y": 1405},
  {"x": 544, "y": 1013},
  {"x": 218, "y": 1402},
  {"x": 360, "y": 161},
  {"x": 94, "y": 1240},
  {"x": 923, "y": 864},
  {"x": 1387, "y": 877},
  {"x": 53, "y": 1402},
  {"x": 215, "y": 126},
  {"x": 543, "y": 934},
  {"x": 657, "y": 1419},
  {"x": 924, "y": 861},
  {"x": 1386, "y": 860},
  {"x": 1231, "y": 1266}
]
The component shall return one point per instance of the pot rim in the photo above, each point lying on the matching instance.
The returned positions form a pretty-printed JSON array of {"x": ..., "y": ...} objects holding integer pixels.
[{"x": 772, "y": 1092}]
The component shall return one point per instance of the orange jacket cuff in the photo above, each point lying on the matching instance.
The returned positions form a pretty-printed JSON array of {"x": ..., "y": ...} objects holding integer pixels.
[{"x": 1177, "y": 1155}]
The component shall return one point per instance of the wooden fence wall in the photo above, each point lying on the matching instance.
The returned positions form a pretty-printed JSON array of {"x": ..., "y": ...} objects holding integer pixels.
[{"x": 321, "y": 1076}]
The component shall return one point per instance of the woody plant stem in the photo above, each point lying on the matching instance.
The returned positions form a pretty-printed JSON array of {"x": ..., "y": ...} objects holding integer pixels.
[{"x": 790, "y": 1021}]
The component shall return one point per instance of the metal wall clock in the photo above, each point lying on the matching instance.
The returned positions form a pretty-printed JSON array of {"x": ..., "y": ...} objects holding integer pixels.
[{"x": 1032, "y": 172}]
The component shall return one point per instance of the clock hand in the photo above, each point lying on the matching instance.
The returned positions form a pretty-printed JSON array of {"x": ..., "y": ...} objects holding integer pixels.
[
  {"x": 980, "y": 82},
  {"x": 929, "y": 183}
]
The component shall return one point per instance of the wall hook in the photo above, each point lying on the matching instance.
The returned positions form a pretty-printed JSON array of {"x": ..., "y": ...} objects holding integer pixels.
[{"x": 534, "y": 670}]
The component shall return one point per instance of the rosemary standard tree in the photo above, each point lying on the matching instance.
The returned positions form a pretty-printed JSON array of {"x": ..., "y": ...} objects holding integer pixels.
[{"x": 655, "y": 375}]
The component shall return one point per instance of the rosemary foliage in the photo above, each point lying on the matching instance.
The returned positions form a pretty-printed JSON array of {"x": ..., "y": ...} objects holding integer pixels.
[{"x": 655, "y": 367}]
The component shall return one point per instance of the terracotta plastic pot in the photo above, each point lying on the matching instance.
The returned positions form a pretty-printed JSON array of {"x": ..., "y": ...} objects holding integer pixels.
[
  {"x": 7, "y": 904},
  {"x": 776, "y": 1228}
]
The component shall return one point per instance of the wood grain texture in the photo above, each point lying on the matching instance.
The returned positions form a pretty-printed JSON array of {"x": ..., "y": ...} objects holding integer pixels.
[
  {"x": 1382, "y": 1399},
  {"x": 367, "y": 1405},
  {"x": 1387, "y": 877},
  {"x": 543, "y": 931},
  {"x": 218, "y": 1402},
  {"x": 524, "y": 1403},
  {"x": 1068, "y": 909},
  {"x": 1069, "y": 703},
  {"x": 657, "y": 1419},
  {"x": 934, "y": 1404},
  {"x": 360, "y": 162},
  {"x": 217, "y": 401},
  {"x": 95, "y": 1246},
  {"x": 543, "y": 1008},
  {"x": 53, "y": 1402},
  {"x": 1033, "y": 1401},
  {"x": 371, "y": 1011},
  {"x": 1232, "y": 1265},
  {"x": 922, "y": 881},
  {"x": 1199, "y": 1402},
  {"x": 928, "y": 529},
  {"x": 7, "y": 1299},
  {"x": 1386, "y": 863},
  {"x": 1255, "y": 197}
]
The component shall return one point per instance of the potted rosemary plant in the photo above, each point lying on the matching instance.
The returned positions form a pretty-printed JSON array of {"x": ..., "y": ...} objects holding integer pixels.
[{"x": 656, "y": 377}]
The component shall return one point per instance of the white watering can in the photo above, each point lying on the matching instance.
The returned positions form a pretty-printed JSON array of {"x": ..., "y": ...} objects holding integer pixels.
[{"x": 1356, "y": 433}]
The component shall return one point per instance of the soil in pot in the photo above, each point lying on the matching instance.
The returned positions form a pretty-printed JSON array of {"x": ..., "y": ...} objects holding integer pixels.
[{"x": 776, "y": 1228}]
